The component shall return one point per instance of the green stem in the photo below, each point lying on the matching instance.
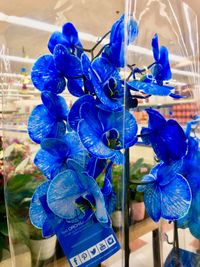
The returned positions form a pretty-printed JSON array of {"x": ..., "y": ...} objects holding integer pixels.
[
  {"x": 102, "y": 38},
  {"x": 136, "y": 182}
]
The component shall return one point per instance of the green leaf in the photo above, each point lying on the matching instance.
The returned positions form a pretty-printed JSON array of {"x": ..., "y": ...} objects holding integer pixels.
[
  {"x": 20, "y": 231},
  {"x": 3, "y": 227},
  {"x": 136, "y": 166}
]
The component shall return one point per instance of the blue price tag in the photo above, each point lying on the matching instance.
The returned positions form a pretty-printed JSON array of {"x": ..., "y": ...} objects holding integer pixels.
[{"x": 87, "y": 243}]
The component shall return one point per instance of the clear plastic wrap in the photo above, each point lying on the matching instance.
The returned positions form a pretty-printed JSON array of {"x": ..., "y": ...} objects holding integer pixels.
[
  {"x": 21, "y": 176},
  {"x": 175, "y": 24},
  {"x": 26, "y": 35}
]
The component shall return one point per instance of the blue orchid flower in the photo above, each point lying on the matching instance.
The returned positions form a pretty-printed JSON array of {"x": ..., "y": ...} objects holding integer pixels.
[
  {"x": 48, "y": 120},
  {"x": 103, "y": 79},
  {"x": 68, "y": 38},
  {"x": 115, "y": 51},
  {"x": 167, "y": 138},
  {"x": 49, "y": 73},
  {"x": 161, "y": 69},
  {"x": 152, "y": 84},
  {"x": 43, "y": 218},
  {"x": 67, "y": 49},
  {"x": 69, "y": 186},
  {"x": 191, "y": 170},
  {"x": 46, "y": 77},
  {"x": 167, "y": 194},
  {"x": 54, "y": 154},
  {"x": 102, "y": 133},
  {"x": 40, "y": 214},
  {"x": 71, "y": 68}
]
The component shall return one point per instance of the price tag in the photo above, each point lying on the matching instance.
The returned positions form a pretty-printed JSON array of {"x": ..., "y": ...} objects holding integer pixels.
[{"x": 87, "y": 243}]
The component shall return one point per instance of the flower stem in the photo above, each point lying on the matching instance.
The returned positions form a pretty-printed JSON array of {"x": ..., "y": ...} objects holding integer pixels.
[
  {"x": 136, "y": 182},
  {"x": 102, "y": 38},
  {"x": 141, "y": 97},
  {"x": 91, "y": 50},
  {"x": 100, "y": 51}
]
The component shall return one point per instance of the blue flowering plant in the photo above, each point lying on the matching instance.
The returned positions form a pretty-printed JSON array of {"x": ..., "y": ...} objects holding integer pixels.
[
  {"x": 82, "y": 142},
  {"x": 191, "y": 169}
]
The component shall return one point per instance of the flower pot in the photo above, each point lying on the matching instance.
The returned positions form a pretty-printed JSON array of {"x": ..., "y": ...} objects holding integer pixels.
[
  {"x": 43, "y": 249},
  {"x": 117, "y": 218},
  {"x": 137, "y": 211}
]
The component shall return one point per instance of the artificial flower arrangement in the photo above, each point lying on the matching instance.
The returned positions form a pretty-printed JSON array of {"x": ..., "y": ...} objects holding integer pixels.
[{"x": 78, "y": 144}]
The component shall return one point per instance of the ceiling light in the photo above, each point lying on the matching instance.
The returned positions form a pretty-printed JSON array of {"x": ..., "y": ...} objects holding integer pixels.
[
  {"x": 43, "y": 26},
  {"x": 185, "y": 73},
  {"x": 18, "y": 59},
  {"x": 14, "y": 75}
]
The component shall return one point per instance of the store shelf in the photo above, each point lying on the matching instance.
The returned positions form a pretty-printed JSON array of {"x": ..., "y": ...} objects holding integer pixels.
[
  {"x": 141, "y": 228},
  {"x": 59, "y": 263},
  {"x": 167, "y": 103}
]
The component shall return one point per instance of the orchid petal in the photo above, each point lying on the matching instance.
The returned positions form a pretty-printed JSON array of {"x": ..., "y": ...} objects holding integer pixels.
[
  {"x": 107, "y": 186},
  {"x": 36, "y": 212},
  {"x": 47, "y": 229},
  {"x": 156, "y": 120},
  {"x": 70, "y": 33},
  {"x": 45, "y": 76},
  {"x": 155, "y": 47},
  {"x": 58, "y": 131},
  {"x": 55, "y": 104},
  {"x": 75, "y": 87},
  {"x": 74, "y": 113},
  {"x": 63, "y": 191},
  {"x": 152, "y": 200},
  {"x": 194, "y": 227},
  {"x": 105, "y": 70},
  {"x": 48, "y": 164},
  {"x": 145, "y": 178},
  {"x": 57, "y": 38},
  {"x": 174, "y": 140},
  {"x": 164, "y": 61},
  {"x": 150, "y": 88},
  {"x": 40, "y": 123},
  {"x": 176, "y": 96},
  {"x": 117, "y": 30},
  {"x": 67, "y": 63},
  {"x": 75, "y": 149},
  {"x": 89, "y": 113},
  {"x": 55, "y": 147},
  {"x": 118, "y": 158},
  {"x": 93, "y": 188},
  {"x": 145, "y": 133},
  {"x": 92, "y": 141},
  {"x": 176, "y": 198},
  {"x": 167, "y": 172}
]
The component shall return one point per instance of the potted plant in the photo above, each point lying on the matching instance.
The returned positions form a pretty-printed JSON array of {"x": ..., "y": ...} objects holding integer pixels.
[
  {"x": 41, "y": 248},
  {"x": 137, "y": 207},
  {"x": 22, "y": 180}
]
